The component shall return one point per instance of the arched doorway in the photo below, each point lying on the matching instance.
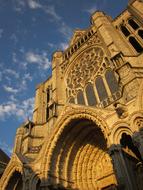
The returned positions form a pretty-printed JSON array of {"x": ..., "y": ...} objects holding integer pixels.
[
  {"x": 133, "y": 160},
  {"x": 15, "y": 182},
  {"x": 38, "y": 184},
  {"x": 80, "y": 160}
]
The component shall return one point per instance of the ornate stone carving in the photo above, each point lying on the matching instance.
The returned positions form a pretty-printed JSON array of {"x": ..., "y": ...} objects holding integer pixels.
[
  {"x": 100, "y": 168},
  {"x": 121, "y": 110},
  {"x": 34, "y": 149},
  {"x": 84, "y": 68},
  {"x": 94, "y": 40},
  {"x": 77, "y": 35},
  {"x": 138, "y": 122}
]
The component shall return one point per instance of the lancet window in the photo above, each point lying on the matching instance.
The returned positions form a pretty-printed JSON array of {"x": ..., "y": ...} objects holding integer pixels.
[
  {"x": 90, "y": 94},
  {"x": 133, "y": 33},
  {"x": 99, "y": 92}
]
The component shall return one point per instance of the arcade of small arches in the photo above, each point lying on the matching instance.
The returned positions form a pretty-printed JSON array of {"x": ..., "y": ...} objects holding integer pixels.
[{"x": 133, "y": 32}]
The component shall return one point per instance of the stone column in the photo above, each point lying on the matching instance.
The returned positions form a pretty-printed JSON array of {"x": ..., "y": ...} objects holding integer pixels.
[
  {"x": 120, "y": 168},
  {"x": 138, "y": 141},
  {"x": 44, "y": 186}
]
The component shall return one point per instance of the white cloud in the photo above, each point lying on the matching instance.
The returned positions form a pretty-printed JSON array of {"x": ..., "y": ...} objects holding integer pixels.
[
  {"x": 18, "y": 5},
  {"x": 10, "y": 89},
  {"x": 27, "y": 76},
  {"x": 52, "y": 45},
  {"x": 7, "y": 109},
  {"x": 40, "y": 60},
  {"x": 63, "y": 45},
  {"x": 92, "y": 9},
  {"x": 1, "y": 32},
  {"x": 21, "y": 110},
  {"x": 51, "y": 11},
  {"x": 6, "y": 148},
  {"x": 33, "y": 4},
  {"x": 65, "y": 30},
  {"x": 14, "y": 57},
  {"x": 0, "y": 76},
  {"x": 12, "y": 72}
]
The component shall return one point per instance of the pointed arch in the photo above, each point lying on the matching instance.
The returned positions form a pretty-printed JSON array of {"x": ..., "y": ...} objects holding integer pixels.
[
  {"x": 140, "y": 33},
  {"x": 15, "y": 182},
  {"x": 80, "y": 98},
  {"x": 79, "y": 133},
  {"x": 13, "y": 172},
  {"x": 136, "y": 45},
  {"x": 90, "y": 95},
  {"x": 101, "y": 89},
  {"x": 111, "y": 81}
]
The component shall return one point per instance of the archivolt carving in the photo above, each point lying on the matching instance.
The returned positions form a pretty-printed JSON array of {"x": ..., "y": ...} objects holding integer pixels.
[
  {"x": 138, "y": 122},
  {"x": 62, "y": 122},
  {"x": 11, "y": 168},
  {"x": 94, "y": 40},
  {"x": 84, "y": 69},
  {"x": 100, "y": 168},
  {"x": 117, "y": 132}
]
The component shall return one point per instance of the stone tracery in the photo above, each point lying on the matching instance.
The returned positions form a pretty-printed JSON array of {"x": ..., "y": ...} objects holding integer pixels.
[{"x": 85, "y": 67}]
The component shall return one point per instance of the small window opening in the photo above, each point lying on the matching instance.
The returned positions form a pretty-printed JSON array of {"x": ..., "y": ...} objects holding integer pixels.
[
  {"x": 85, "y": 37},
  {"x": 112, "y": 81},
  {"x": 47, "y": 114},
  {"x": 126, "y": 142},
  {"x": 135, "y": 44},
  {"x": 125, "y": 31},
  {"x": 48, "y": 95},
  {"x": 133, "y": 24},
  {"x": 102, "y": 93},
  {"x": 90, "y": 95},
  {"x": 140, "y": 33},
  {"x": 80, "y": 98},
  {"x": 82, "y": 40}
]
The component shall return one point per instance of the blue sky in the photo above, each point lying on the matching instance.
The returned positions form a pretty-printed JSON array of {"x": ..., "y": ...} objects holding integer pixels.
[{"x": 30, "y": 30}]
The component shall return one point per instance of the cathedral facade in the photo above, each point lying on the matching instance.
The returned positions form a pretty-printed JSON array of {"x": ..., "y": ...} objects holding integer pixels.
[{"x": 87, "y": 128}]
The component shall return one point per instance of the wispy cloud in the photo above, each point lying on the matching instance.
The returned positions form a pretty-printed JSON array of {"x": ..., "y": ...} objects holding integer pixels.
[
  {"x": 33, "y": 4},
  {"x": 41, "y": 60},
  {"x": 11, "y": 72},
  {"x": 19, "y": 5},
  {"x": 63, "y": 28},
  {"x": 52, "y": 12},
  {"x": 63, "y": 45},
  {"x": 6, "y": 148},
  {"x": 1, "y": 32},
  {"x": 10, "y": 89},
  {"x": 92, "y": 9},
  {"x": 20, "y": 110}
]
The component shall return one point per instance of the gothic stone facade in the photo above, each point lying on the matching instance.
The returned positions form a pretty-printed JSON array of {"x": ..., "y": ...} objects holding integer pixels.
[
  {"x": 4, "y": 159},
  {"x": 87, "y": 128}
]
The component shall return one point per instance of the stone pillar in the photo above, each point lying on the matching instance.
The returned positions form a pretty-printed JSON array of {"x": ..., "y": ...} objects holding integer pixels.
[
  {"x": 138, "y": 141},
  {"x": 44, "y": 185},
  {"x": 120, "y": 168}
]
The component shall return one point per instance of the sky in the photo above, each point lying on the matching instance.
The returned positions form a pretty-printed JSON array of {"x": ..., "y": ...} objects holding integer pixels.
[{"x": 30, "y": 31}]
